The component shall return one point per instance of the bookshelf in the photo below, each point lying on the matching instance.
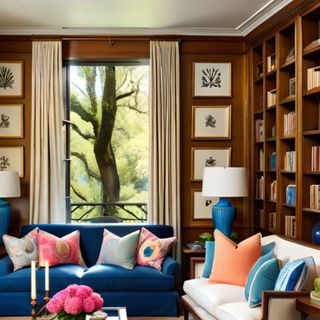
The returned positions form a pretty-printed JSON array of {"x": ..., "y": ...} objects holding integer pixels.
[{"x": 289, "y": 64}]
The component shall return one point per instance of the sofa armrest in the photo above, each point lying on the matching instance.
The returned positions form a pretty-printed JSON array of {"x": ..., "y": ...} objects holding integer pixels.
[
  {"x": 170, "y": 266},
  {"x": 6, "y": 266},
  {"x": 281, "y": 305}
]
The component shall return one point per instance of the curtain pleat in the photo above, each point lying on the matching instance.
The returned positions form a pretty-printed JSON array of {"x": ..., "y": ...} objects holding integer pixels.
[
  {"x": 164, "y": 172},
  {"x": 47, "y": 203}
]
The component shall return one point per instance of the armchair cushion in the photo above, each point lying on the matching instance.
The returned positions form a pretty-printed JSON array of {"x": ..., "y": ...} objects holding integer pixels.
[
  {"x": 6, "y": 266},
  {"x": 170, "y": 266}
]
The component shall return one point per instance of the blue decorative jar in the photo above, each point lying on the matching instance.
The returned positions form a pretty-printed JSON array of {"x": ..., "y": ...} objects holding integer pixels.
[{"x": 316, "y": 233}]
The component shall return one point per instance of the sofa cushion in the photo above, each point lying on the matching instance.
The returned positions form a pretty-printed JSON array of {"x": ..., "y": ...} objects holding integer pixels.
[
  {"x": 238, "y": 311},
  {"x": 61, "y": 276},
  {"x": 108, "y": 277},
  {"x": 209, "y": 296}
]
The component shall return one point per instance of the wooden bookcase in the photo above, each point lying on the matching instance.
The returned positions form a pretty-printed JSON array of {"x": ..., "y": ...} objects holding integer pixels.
[{"x": 291, "y": 122}]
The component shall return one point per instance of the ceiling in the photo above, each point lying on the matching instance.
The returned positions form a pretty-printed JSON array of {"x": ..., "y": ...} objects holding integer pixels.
[{"x": 183, "y": 17}]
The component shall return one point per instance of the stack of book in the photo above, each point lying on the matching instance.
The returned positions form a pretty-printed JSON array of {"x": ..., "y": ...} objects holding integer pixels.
[
  {"x": 259, "y": 130},
  {"x": 313, "y": 77},
  {"x": 271, "y": 98},
  {"x": 262, "y": 219},
  {"x": 290, "y": 226},
  {"x": 315, "y": 158},
  {"x": 315, "y": 196},
  {"x": 273, "y": 191},
  {"x": 271, "y": 63},
  {"x": 273, "y": 161},
  {"x": 260, "y": 188},
  {"x": 291, "y": 194},
  {"x": 290, "y": 161},
  {"x": 261, "y": 159},
  {"x": 289, "y": 123},
  {"x": 272, "y": 221}
]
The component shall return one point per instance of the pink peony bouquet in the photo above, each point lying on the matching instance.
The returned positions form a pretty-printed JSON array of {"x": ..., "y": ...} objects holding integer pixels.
[{"x": 74, "y": 302}]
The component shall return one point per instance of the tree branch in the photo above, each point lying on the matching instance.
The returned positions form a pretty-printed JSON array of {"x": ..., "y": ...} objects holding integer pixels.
[
  {"x": 86, "y": 136},
  {"x": 78, "y": 194},
  {"x": 125, "y": 95},
  {"x": 74, "y": 84},
  {"x": 84, "y": 160},
  {"x": 132, "y": 108}
]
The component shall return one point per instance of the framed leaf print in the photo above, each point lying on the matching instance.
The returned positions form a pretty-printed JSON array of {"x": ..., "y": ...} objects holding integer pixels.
[
  {"x": 212, "y": 79},
  {"x": 11, "y": 79},
  {"x": 201, "y": 206},
  {"x": 211, "y": 122},
  {"x": 12, "y": 159},
  {"x": 11, "y": 121}
]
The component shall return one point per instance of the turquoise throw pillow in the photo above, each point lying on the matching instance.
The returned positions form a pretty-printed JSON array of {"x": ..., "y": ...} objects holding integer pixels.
[
  {"x": 268, "y": 248},
  {"x": 207, "y": 267},
  {"x": 264, "y": 279}
]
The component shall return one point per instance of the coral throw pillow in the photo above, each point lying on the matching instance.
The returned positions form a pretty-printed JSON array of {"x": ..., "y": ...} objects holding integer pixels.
[
  {"x": 59, "y": 250},
  {"x": 233, "y": 262},
  {"x": 22, "y": 251},
  {"x": 152, "y": 250}
]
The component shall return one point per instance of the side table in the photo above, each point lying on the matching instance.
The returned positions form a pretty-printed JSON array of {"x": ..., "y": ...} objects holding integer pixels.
[
  {"x": 308, "y": 308},
  {"x": 190, "y": 260}
]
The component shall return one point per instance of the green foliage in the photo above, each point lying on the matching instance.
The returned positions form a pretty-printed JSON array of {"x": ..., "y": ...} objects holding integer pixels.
[{"x": 129, "y": 138}]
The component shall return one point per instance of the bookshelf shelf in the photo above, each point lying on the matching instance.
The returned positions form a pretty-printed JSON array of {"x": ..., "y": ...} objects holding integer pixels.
[
  {"x": 257, "y": 199},
  {"x": 312, "y": 173},
  {"x": 258, "y": 112},
  {"x": 289, "y": 205},
  {"x": 287, "y": 172},
  {"x": 259, "y": 142},
  {"x": 271, "y": 171},
  {"x": 311, "y": 210},
  {"x": 288, "y": 99},
  {"x": 271, "y": 107},
  {"x": 271, "y": 201},
  {"x": 258, "y": 80},
  {"x": 288, "y": 137},
  {"x": 312, "y": 92},
  {"x": 311, "y": 52},
  {"x": 311, "y": 133},
  {"x": 271, "y": 139},
  {"x": 271, "y": 74},
  {"x": 288, "y": 64}
]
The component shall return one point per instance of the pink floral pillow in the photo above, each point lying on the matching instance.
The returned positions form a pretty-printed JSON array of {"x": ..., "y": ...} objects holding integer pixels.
[
  {"x": 59, "y": 250},
  {"x": 152, "y": 250}
]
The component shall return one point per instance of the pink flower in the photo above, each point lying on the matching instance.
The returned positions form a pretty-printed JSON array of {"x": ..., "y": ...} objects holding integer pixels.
[
  {"x": 84, "y": 292},
  {"x": 88, "y": 305},
  {"x": 73, "y": 305},
  {"x": 72, "y": 290},
  {"x": 53, "y": 306},
  {"x": 98, "y": 301}
]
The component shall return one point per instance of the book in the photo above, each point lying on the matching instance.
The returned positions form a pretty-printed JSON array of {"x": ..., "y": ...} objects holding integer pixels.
[
  {"x": 315, "y": 196},
  {"x": 315, "y": 158},
  {"x": 272, "y": 221},
  {"x": 271, "y": 63},
  {"x": 290, "y": 226},
  {"x": 289, "y": 123},
  {"x": 271, "y": 98},
  {"x": 273, "y": 190},
  {"x": 313, "y": 78},
  {"x": 259, "y": 130},
  {"x": 273, "y": 161},
  {"x": 291, "y": 194},
  {"x": 261, "y": 159},
  {"x": 290, "y": 161},
  {"x": 260, "y": 188}
]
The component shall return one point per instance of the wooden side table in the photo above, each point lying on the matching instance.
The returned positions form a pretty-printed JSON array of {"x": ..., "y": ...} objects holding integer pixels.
[
  {"x": 308, "y": 308},
  {"x": 190, "y": 258}
]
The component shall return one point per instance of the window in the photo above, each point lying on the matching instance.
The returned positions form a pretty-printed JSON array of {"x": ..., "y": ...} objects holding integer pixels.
[{"x": 107, "y": 141}]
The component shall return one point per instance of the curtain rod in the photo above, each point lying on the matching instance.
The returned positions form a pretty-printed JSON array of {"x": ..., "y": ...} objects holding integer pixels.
[{"x": 120, "y": 38}]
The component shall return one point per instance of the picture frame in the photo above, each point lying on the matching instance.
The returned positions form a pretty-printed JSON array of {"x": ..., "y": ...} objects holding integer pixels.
[
  {"x": 201, "y": 207},
  {"x": 11, "y": 121},
  {"x": 196, "y": 266},
  {"x": 202, "y": 157},
  {"x": 12, "y": 159},
  {"x": 11, "y": 79},
  {"x": 212, "y": 79},
  {"x": 211, "y": 122}
]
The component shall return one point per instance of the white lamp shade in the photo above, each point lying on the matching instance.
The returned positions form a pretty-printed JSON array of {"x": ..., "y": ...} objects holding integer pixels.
[
  {"x": 224, "y": 182},
  {"x": 9, "y": 184}
]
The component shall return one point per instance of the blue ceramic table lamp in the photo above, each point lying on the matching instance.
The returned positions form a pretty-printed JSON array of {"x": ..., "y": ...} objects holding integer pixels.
[
  {"x": 9, "y": 188},
  {"x": 224, "y": 183}
]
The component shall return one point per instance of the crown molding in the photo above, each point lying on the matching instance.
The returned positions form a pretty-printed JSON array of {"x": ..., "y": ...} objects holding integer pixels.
[{"x": 242, "y": 30}]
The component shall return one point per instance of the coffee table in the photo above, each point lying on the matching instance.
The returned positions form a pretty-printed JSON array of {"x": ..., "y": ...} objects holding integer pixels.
[{"x": 116, "y": 313}]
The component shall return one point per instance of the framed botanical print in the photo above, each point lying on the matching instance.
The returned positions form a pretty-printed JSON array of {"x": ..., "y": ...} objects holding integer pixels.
[
  {"x": 11, "y": 121},
  {"x": 202, "y": 157},
  {"x": 201, "y": 206},
  {"x": 212, "y": 79},
  {"x": 12, "y": 159},
  {"x": 11, "y": 79},
  {"x": 211, "y": 122}
]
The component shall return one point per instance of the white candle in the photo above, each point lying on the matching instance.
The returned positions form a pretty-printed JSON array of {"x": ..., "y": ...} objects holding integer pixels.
[
  {"x": 47, "y": 275},
  {"x": 33, "y": 281}
]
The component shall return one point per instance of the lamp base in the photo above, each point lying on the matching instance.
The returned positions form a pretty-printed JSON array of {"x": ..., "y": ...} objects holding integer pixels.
[
  {"x": 223, "y": 214},
  {"x": 5, "y": 213}
]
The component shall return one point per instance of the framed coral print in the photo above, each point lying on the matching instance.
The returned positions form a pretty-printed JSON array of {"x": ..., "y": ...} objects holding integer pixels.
[
  {"x": 212, "y": 79},
  {"x": 211, "y": 122},
  {"x": 12, "y": 159},
  {"x": 202, "y": 157},
  {"x": 11, "y": 121},
  {"x": 201, "y": 206},
  {"x": 11, "y": 79}
]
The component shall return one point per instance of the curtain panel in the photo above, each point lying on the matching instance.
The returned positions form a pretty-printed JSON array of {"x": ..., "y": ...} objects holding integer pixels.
[
  {"x": 47, "y": 167},
  {"x": 164, "y": 175}
]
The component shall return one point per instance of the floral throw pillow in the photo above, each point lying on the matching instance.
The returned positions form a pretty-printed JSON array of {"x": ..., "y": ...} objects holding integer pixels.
[
  {"x": 152, "y": 250},
  {"x": 22, "y": 251},
  {"x": 59, "y": 250}
]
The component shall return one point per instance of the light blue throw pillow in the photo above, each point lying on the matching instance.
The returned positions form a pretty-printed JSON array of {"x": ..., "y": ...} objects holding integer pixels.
[
  {"x": 264, "y": 279},
  {"x": 207, "y": 267},
  {"x": 268, "y": 248}
]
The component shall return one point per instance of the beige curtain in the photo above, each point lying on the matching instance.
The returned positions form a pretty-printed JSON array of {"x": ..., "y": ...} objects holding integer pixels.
[
  {"x": 164, "y": 177},
  {"x": 47, "y": 167}
]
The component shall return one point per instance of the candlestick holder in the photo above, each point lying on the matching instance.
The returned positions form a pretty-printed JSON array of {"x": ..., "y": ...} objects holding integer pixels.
[{"x": 40, "y": 310}]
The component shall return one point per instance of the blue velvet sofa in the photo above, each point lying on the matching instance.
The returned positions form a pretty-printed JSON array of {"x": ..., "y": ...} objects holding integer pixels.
[{"x": 145, "y": 291}]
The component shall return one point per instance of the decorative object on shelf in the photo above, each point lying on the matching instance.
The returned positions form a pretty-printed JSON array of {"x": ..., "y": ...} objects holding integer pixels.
[
  {"x": 291, "y": 194},
  {"x": 271, "y": 62},
  {"x": 315, "y": 294},
  {"x": 202, "y": 157},
  {"x": 201, "y": 206},
  {"x": 194, "y": 245},
  {"x": 292, "y": 86},
  {"x": 74, "y": 302},
  {"x": 205, "y": 236},
  {"x": 11, "y": 121},
  {"x": 316, "y": 233},
  {"x": 11, "y": 79},
  {"x": 211, "y": 122},
  {"x": 223, "y": 183},
  {"x": 212, "y": 79},
  {"x": 12, "y": 159},
  {"x": 290, "y": 54},
  {"x": 9, "y": 188}
]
